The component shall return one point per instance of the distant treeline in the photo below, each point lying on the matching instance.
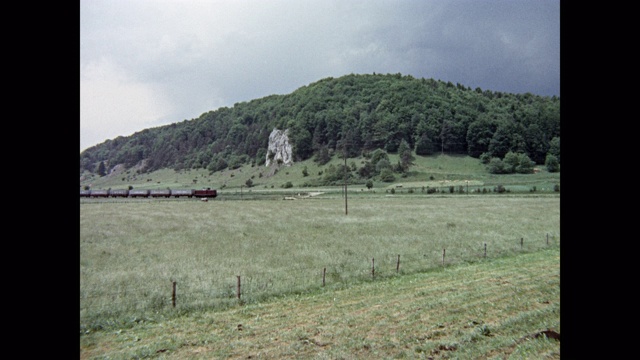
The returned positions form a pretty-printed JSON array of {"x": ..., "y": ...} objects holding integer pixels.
[{"x": 353, "y": 113}]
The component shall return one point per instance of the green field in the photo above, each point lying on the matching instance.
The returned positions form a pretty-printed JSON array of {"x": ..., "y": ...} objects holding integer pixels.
[
  {"x": 132, "y": 251},
  {"x": 389, "y": 272}
]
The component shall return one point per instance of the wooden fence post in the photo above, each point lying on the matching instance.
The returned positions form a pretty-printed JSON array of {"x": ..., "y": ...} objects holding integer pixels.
[
  {"x": 238, "y": 287},
  {"x": 547, "y": 239},
  {"x": 443, "y": 252},
  {"x": 373, "y": 267},
  {"x": 521, "y": 242},
  {"x": 485, "y": 249},
  {"x": 324, "y": 271},
  {"x": 173, "y": 295},
  {"x": 398, "y": 264}
]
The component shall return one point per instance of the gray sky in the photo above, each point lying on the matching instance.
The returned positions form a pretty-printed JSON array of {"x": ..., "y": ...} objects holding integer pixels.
[{"x": 147, "y": 63}]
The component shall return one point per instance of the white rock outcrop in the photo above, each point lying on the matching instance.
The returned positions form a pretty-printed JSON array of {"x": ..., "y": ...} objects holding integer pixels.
[{"x": 279, "y": 148}]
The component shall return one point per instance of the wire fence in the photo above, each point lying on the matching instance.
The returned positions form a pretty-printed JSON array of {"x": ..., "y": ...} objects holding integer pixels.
[{"x": 219, "y": 291}]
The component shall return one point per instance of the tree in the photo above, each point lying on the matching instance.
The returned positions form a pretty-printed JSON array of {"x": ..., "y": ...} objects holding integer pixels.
[
  {"x": 101, "y": 169},
  {"x": 322, "y": 156},
  {"x": 479, "y": 135},
  {"x": 496, "y": 166},
  {"x": 406, "y": 158},
  {"x": 367, "y": 170},
  {"x": 445, "y": 135},
  {"x": 511, "y": 161},
  {"x": 377, "y": 155},
  {"x": 301, "y": 142},
  {"x": 386, "y": 175},
  {"x": 525, "y": 165},
  {"x": 305, "y": 173},
  {"x": 552, "y": 163},
  {"x": 500, "y": 143},
  {"x": 261, "y": 156},
  {"x": 382, "y": 164},
  {"x": 554, "y": 148},
  {"x": 424, "y": 145},
  {"x": 249, "y": 183},
  {"x": 485, "y": 158},
  {"x": 369, "y": 184},
  {"x": 537, "y": 147}
]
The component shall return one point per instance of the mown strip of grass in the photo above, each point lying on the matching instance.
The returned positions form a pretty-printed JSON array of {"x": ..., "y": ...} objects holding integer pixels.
[{"x": 488, "y": 309}]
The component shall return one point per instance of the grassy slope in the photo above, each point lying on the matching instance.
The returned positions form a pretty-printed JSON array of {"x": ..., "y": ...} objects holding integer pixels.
[
  {"x": 490, "y": 309},
  {"x": 434, "y": 171}
]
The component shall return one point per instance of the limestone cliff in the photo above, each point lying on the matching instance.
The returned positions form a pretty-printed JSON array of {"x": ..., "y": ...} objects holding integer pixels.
[{"x": 279, "y": 150}]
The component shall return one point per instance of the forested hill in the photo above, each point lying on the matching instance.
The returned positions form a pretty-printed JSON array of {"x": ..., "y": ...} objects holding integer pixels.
[{"x": 366, "y": 112}]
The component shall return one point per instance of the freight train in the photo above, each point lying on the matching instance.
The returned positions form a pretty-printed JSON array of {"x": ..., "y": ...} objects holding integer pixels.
[{"x": 158, "y": 193}]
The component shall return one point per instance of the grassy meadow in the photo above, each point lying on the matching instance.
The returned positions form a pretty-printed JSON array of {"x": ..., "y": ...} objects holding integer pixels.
[
  {"x": 494, "y": 309},
  {"x": 394, "y": 273}
]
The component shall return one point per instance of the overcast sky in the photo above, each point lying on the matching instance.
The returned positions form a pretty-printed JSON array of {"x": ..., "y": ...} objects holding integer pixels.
[{"x": 147, "y": 63}]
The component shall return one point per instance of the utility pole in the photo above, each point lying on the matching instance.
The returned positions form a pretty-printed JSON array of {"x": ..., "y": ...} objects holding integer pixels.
[{"x": 346, "y": 212}]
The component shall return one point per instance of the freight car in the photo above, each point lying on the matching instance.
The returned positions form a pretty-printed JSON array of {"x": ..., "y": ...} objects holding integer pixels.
[
  {"x": 99, "y": 193},
  {"x": 145, "y": 193},
  {"x": 119, "y": 193},
  {"x": 138, "y": 193},
  {"x": 178, "y": 193},
  {"x": 160, "y": 193}
]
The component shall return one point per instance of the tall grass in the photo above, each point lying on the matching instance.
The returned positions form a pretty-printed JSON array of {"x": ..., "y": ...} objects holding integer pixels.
[
  {"x": 485, "y": 310},
  {"x": 131, "y": 252}
]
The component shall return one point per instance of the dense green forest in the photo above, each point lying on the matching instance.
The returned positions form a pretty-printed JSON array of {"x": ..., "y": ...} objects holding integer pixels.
[{"x": 370, "y": 115}]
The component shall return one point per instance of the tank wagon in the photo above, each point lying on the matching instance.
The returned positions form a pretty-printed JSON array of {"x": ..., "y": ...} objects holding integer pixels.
[
  {"x": 138, "y": 193},
  {"x": 118, "y": 193},
  {"x": 146, "y": 193},
  {"x": 160, "y": 193},
  {"x": 99, "y": 193},
  {"x": 178, "y": 193}
]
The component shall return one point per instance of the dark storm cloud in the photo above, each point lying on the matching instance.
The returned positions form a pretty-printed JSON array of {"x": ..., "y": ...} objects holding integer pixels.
[{"x": 150, "y": 63}]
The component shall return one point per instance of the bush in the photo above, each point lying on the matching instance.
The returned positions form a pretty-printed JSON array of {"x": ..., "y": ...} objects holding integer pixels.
[
  {"x": 525, "y": 165},
  {"x": 387, "y": 176},
  {"x": 552, "y": 163},
  {"x": 496, "y": 166},
  {"x": 485, "y": 158},
  {"x": 287, "y": 185}
]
